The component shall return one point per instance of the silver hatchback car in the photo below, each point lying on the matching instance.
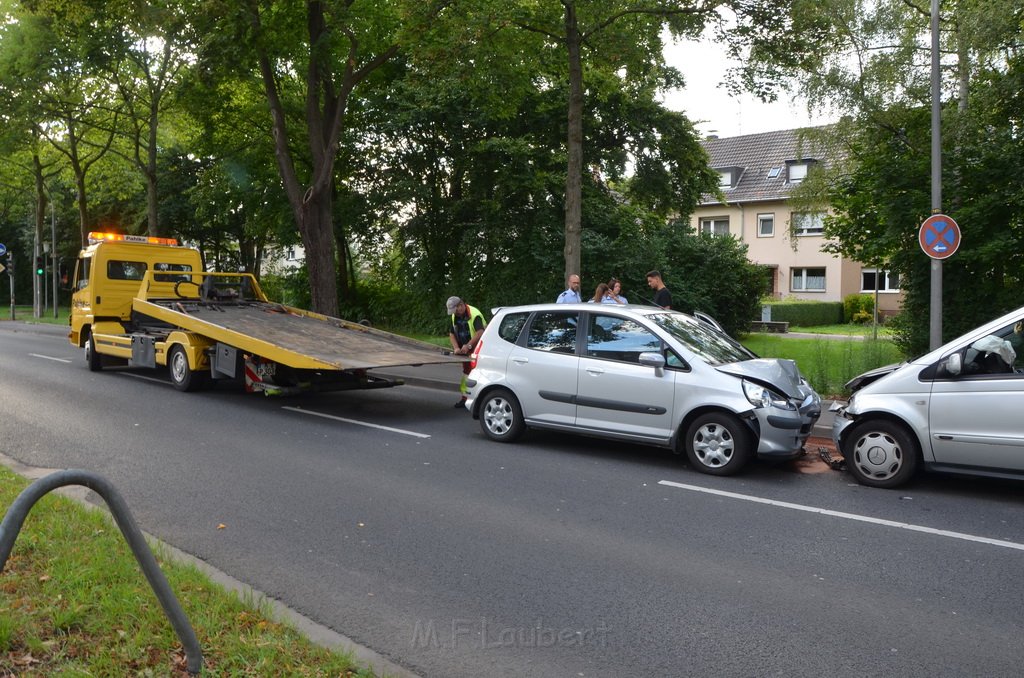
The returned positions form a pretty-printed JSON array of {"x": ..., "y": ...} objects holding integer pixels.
[
  {"x": 956, "y": 409},
  {"x": 640, "y": 374}
]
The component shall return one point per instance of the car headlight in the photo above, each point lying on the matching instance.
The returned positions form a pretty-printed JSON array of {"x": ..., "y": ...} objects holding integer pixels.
[{"x": 759, "y": 396}]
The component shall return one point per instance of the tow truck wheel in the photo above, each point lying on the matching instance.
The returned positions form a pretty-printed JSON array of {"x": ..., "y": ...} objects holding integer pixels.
[
  {"x": 92, "y": 358},
  {"x": 183, "y": 377}
]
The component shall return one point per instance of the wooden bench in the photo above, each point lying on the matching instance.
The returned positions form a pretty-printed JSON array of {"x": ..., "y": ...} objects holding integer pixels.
[{"x": 769, "y": 326}]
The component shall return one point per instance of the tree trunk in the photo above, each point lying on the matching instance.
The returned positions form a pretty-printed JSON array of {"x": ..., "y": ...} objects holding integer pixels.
[
  {"x": 150, "y": 171},
  {"x": 80, "y": 190},
  {"x": 317, "y": 232},
  {"x": 574, "y": 146}
]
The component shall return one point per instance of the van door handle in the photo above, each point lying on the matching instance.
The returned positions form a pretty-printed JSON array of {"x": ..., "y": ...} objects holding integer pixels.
[
  {"x": 596, "y": 371},
  {"x": 520, "y": 360}
]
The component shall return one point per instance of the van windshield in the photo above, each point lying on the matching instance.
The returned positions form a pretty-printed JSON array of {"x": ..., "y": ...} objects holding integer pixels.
[{"x": 714, "y": 346}]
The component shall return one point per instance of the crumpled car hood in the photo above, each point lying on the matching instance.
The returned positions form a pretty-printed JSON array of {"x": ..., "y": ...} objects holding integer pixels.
[
  {"x": 779, "y": 373},
  {"x": 871, "y": 376}
]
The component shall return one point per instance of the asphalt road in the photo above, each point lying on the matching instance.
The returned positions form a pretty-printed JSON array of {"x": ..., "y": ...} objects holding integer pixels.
[{"x": 387, "y": 516}]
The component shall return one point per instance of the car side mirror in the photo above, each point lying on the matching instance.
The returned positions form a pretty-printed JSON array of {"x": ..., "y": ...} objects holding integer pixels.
[
  {"x": 655, "y": 360},
  {"x": 953, "y": 364}
]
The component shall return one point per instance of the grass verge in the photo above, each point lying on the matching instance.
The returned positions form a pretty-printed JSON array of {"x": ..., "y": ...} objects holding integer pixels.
[
  {"x": 24, "y": 314},
  {"x": 73, "y": 602},
  {"x": 827, "y": 363}
]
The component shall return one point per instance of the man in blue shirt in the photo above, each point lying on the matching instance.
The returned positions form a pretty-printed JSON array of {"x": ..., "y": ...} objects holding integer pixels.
[{"x": 572, "y": 294}]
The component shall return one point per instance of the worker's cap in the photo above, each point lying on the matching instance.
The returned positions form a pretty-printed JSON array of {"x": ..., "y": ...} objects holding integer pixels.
[{"x": 453, "y": 303}]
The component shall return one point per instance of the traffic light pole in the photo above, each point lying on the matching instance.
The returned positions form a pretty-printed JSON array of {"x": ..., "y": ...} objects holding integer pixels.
[
  {"x": 53, "y": 253},
  {"x": 10, "y": 278},
  {"x": 36, "y": 296}
]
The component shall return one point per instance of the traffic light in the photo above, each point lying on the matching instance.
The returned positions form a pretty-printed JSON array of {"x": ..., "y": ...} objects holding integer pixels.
[{"x": 40, "y": 266}]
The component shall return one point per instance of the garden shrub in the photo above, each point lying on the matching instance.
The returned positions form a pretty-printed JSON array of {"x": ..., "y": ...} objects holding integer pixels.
[{"x": 858, "y": 308}]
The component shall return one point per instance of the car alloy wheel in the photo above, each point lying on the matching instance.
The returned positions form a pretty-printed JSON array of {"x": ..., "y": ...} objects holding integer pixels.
[{"x": 501, "y": 418}]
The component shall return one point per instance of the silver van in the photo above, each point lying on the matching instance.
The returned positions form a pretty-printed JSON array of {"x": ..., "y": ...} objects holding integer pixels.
[
  {"x": 639, "y": 374},
  {"x": 959, "y": 409}
]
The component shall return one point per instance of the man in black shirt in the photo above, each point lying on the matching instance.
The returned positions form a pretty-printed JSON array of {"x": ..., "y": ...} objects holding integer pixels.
[{"x": 662, "y": 297}]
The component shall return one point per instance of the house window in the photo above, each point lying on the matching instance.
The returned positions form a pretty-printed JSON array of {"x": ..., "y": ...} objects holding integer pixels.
[
  {"x": 808, "y": 223},
  {"x": 797, "y": 172},
  {"x": 725, "y": 179},
  {"x": 807, "y": 280},
  {"x": 888, "y": 281},
  {"x": 773, "y": 173},
  {"x": 765, "y": 225},
  {"x": 715, "y": 225}
]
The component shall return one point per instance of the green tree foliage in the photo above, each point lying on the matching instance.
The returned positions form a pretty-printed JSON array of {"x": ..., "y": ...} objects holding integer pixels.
[
  {"x": 420, "y": 146},
  {"x": 872, "y": 61}
]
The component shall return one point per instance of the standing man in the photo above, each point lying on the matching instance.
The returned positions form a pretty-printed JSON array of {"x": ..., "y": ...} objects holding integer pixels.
[
  {"x": 572, "y": 293},
  {"x": 464, "y": 330},
  {"x": 662, "y": 297}
]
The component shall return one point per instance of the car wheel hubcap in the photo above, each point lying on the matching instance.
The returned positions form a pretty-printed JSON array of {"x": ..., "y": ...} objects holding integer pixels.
[
  {"x": 498, "y": 416},
  {"x": 878, "y": 456},
  {"x": 713, "y": 445}
]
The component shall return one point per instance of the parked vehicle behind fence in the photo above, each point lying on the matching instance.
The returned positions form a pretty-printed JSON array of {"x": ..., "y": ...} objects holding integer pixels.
[{"x": 638, "y": 374}]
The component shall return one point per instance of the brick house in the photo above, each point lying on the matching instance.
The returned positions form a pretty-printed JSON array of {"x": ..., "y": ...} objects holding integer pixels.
[{"x": 758, "y": 174}]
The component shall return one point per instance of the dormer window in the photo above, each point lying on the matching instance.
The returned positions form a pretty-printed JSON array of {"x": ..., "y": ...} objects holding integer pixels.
[
  {"x": 728, "y": 177},
  {"x": 796, "y": 170}
]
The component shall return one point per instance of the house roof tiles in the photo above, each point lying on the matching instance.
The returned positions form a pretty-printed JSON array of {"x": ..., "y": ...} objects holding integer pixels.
[{"x": 758, "y": 157}]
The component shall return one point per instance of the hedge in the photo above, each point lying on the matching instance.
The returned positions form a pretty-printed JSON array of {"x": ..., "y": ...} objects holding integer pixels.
[{"x": 807, "y": 313}]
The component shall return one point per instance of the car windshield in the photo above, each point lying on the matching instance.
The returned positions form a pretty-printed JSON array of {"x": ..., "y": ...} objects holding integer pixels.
[{"x": 714, "y": 346}]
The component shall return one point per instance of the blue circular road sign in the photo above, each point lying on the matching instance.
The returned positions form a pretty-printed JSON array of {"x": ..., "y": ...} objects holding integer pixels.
[{"x": 939, "y": 236}]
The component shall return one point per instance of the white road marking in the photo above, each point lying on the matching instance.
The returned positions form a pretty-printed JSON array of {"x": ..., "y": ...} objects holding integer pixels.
[
  {"x": 848, "y": 516},
  {"x": 357, "y": 422},
  {"x": 49, "y": 357}
]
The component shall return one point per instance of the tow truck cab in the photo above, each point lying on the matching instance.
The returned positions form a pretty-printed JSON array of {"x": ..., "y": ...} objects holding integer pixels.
[{"x": 109, "y": 272}]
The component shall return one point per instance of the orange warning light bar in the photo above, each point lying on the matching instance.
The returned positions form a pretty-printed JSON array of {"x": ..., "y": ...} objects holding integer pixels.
[{"x": 99, "y": 236}]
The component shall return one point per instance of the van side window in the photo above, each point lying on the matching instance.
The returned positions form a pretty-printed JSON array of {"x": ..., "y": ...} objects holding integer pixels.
[
  {"x": 125, "y": 270},
  {"x": 613, "y": 338},
  {"x": 554, "y": 332},
  {"x": 511, "y": 326}
]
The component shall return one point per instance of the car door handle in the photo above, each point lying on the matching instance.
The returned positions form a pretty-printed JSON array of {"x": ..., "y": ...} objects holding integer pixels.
[
  {"x": 520, "y": 360},
  {"x": 596, "y": 371}
]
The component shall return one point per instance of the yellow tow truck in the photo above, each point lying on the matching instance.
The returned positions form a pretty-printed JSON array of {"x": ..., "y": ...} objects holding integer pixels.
[{"x": 147, "y": 302}]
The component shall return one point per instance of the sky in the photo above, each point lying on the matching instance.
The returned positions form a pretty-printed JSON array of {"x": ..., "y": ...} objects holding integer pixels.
[{"x": 711, "y": 108}]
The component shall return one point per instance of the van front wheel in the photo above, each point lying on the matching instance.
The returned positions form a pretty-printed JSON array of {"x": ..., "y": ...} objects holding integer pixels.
[{"x": 880, "y": 453}]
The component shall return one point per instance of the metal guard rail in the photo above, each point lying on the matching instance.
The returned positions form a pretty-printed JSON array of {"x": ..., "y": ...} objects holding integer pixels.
[{"x": 15, "y": 517}]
